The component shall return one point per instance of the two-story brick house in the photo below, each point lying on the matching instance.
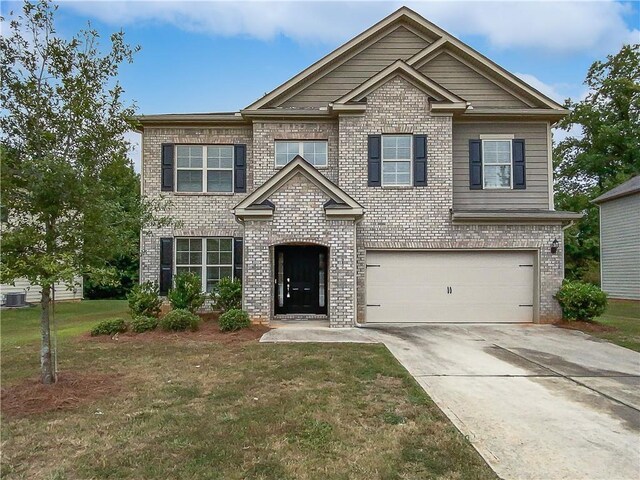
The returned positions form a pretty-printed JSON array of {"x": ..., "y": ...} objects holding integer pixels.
[{"x": 402, "y": 178}]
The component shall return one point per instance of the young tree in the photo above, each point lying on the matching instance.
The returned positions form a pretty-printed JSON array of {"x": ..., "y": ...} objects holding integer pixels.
[
  {"x": 605, "y": 155},
  {"x": 64, "y": 157}
]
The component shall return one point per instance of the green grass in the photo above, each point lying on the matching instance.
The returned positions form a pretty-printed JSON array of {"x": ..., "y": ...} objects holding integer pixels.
[
  {"x": 72, "y": 318},
  {"x": 624, "y": 316},
  {"x": 196, "y": 409}
]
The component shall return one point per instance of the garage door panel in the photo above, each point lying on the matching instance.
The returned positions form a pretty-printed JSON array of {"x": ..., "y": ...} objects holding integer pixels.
[{"x": 484, "y": 286}]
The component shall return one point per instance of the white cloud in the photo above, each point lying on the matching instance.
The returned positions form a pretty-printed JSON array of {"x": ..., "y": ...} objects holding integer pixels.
[
  {"x": 557, "y": 26},
  {"x": 550, "y": 91}
]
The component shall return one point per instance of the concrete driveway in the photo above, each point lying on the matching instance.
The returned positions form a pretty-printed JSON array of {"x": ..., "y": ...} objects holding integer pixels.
[{"x": 536, "y": 401}]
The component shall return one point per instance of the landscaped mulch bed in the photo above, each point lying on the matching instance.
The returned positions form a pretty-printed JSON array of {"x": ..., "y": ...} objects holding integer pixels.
[
  {"x": 587, "y": 327},
  {"x": 209, "y": 331},
  {"x": 71, "y": 390}
]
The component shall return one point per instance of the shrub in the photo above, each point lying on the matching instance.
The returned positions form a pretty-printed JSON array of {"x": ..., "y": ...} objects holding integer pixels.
[
  {"x": 180, "y": 320},
  {"x": 581, "y": 301},
  {"x": 144, "y": 300},
  {"x": 227, "y": 294},
  {"x": 233, "y": 320},
  {"x": 110, "y": 326},
  {"x": 143, "y": 324},
  {"x": 187, "y": 293}
]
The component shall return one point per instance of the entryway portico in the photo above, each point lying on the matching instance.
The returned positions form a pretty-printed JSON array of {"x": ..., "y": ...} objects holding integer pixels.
[{"x": 299, "y": 247}]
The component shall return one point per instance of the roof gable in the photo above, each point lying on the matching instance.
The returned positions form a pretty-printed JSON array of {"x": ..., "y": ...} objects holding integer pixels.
[
  {"x": 256, "y": 204},
  {"x": 474, "y": 87},
  {"x": 400, "y": 68},
  {"x": 485, "y": 68},
  {"x": 398, "y": 42},
  {"x": 332, "y": 76},
  {"x": 629, "y": 187}
]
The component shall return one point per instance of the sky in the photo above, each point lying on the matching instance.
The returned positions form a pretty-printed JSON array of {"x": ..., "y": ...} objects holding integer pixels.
[{"x": 218, "y": 56}]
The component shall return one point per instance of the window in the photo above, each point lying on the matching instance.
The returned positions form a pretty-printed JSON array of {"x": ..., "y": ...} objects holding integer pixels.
[
  {"x": 313, "y": 152},
  {"x": 396, "y": 160},
  {"x": 496, "y": 163},
  {"x": 216, "y": 263},
  {"x": 204, "y": 168}
]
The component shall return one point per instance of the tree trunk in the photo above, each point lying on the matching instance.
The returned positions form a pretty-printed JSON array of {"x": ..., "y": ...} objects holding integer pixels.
[{"x": 46, "y": 367}]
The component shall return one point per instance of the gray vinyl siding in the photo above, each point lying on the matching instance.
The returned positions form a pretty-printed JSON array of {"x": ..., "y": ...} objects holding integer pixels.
[
  {"x": 620, "y": 247},
  {"x": 468, "y": 84},
  {"x": 398, "y": 44},
  {"x": 62, "y": 292},
  {"x": 535, "y": 196}
]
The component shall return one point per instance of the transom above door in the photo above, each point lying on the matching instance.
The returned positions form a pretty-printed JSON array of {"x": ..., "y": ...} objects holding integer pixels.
[{"x": 300, "y": 279}]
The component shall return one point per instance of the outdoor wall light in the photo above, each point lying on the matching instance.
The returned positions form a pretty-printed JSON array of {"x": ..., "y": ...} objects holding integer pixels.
[{"x": 554, "y": 245}]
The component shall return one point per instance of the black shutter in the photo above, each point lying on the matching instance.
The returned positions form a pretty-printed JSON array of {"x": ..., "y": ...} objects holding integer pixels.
[
  {"x": 166, "y": 265},
  {"x": 240, "y": 171},
  {"x": 475, "y": 164},
  {"x": 167, "y": 167},
  {"x": 519, "y": 167},
  {"x": 375, "y": 160},
  {"x": 420, "y": 160},
  {"x": 237, "y": 258}
]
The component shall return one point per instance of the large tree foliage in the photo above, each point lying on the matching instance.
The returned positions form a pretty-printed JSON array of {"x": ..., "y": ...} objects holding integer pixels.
[
  {"x": 125, "y": 261},
  {"x": 64, "y": 157},
  {"x": 606, "y": 153}
]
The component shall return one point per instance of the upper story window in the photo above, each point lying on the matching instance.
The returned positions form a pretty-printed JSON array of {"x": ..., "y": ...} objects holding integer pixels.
[
  {"x": 496, "y": 163},
  {"x": 204, "y": 168},
  {"x": 396, "y": 160},
  {"x": 314, "y": 152}
]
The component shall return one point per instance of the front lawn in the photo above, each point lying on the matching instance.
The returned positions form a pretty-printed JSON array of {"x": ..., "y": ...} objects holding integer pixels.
[
  {"x": 191, "y": 408},
  {"x": 624, "y": 317}
]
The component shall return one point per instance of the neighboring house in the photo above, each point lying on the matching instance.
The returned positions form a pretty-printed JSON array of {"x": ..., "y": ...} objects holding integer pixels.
[
  {"x": 402, "y": 178},
  {"x": 32, "y": 292},
  {"x": 61, "y": 291},
  {"x": 620, "y": 240}
]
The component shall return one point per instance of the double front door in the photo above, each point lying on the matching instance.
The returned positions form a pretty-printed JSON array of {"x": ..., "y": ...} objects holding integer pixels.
[{"x": 300, "y": 279}]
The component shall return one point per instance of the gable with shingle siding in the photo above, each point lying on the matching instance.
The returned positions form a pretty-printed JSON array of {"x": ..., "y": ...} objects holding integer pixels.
[
  {"x": 400, "y": 43},
  {"x": 464, "y": 81}
]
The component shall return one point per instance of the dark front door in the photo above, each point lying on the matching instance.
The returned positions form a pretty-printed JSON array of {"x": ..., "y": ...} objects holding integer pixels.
[{"x": 301, "y": 285}]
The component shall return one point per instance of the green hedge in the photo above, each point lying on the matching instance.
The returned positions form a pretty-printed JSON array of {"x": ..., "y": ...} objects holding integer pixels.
[
  {"x": 233, "y": 320},
  {"x": 143, "y": 324},
  {"x": 180, "y": 320},
  {"x": 110, "y": 326},
  {"x": 581, "y": 301}
]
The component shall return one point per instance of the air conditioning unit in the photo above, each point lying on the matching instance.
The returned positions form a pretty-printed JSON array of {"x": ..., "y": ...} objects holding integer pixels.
[{"x": 15, "y": 300}]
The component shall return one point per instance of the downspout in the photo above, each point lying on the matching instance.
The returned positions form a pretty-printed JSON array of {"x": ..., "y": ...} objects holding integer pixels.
[{"x": 568, "y": 225}]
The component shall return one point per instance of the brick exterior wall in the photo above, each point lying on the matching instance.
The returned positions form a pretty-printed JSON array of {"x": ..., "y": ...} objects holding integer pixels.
[
  {"x": 418, "y": 217},
  {"x": 395, "y": 218},
  {"x": 266, "y": 133},
  {"x": 299, "y": 219},
  {"x": 200, "y": 215}
]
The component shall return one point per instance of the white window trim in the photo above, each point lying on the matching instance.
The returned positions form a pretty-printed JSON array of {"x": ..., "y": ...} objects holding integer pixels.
[
  {"x": 300, "y": 150},
  {"x": 410, "y": 161},
  {"x": 204, "y": 264},
  {"x": 501, "y": 138},
  {"x": 204, "y": 168}
]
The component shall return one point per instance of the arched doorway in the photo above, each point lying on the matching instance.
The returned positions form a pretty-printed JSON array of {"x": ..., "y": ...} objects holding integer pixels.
[{"x": 301, "y": 279}]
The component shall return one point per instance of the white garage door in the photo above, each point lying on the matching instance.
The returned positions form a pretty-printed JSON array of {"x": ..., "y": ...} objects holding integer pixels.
[{"x": 449, "y": 286}]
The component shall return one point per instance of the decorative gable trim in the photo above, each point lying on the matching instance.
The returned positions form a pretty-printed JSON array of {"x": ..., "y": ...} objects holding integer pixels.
[
  {"x": 369, "y": 35},
  {"x": 504, "y": 80},
  {"x": 257, "y": 205},
  {"x": 400, "y": 68},
  {"x": 415, "y": 23}
]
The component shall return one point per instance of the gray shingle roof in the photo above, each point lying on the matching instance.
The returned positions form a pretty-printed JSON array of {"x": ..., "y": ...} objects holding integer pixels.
[{"x": 627, "y": 188}]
